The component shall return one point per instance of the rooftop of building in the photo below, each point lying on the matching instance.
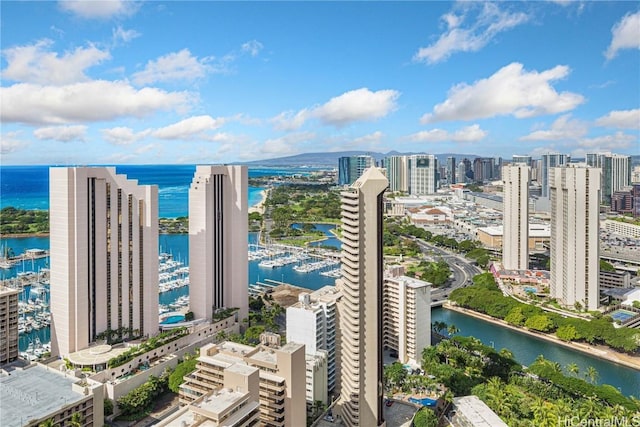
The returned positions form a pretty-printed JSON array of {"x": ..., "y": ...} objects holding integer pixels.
[
  {"x": 476, "y": 412},
  {"x": 5, "y": 290},
  {"x": 33, "y": 393},
  {"x": 219, "y": 401},
  {"x": 535, "y": 230},
  {"x": 410, "y": 282}
]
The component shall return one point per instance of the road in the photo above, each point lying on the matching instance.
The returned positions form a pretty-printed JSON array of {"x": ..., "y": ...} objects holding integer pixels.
[{"x": 463, "y": 271}]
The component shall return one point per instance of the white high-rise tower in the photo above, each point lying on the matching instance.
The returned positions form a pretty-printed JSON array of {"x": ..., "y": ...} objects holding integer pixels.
[
  {"x": 575, "y": 234},
  {"x": 218, "y": 259},
  {"x": 104, "y": 257},
  {"x": 515, "y": 242}
]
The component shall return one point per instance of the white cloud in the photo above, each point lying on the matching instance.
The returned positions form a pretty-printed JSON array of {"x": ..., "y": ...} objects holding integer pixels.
[
  {"x": 252, "y": 47},
  {"x": 287, "y": 145},
  {"x": 621, "y": 119},
  {"x": 122, "y": 135},
  {"x": 189, "y": 128},
  {"x": 471, "y": 133},
  {"x": 120, "y": 34},
  {"x": 357, "y": 105},
  {"x": 617, "y": 141},
  {"x": 489, "y": 22},
  {"x": 353, "y": 106},
  {"x": 100, "y": 9},
  {"x": 11, "y": 142},
  {"x": 173, "y": 66},
  {"x": 85, "y": 102},
  {"x": 289, "y": 120},
  {"x": 36, "y": 64},
  {"x": 62, "y": 133},
  {"x": 625, "y": 35},
  {"x": 563, "y": 128},
  {"x": 510, "y": 91}
]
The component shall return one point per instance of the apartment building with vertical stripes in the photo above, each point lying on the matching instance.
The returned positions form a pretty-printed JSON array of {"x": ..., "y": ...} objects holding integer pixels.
[
  {"x": 360, "y": 308},
  {"x": 8, "y": 324},
  {"x": 515, "y": 241},
  {"x": 218, "y": 228},
  {"x": 104, "y": 257}
]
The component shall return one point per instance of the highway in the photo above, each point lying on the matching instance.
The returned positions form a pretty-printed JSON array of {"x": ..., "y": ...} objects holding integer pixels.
[{"x": 463, "y": 271}]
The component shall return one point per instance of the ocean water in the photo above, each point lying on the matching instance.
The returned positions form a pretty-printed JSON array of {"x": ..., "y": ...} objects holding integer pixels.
[{"x": 27, "y": 187}]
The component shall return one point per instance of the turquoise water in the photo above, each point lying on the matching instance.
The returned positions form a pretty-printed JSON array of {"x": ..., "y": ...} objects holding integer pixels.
[
  {"x": 530, "y": 289},
  {"x": 425, "y": 401},
  {"x": 177, "y": 318}
]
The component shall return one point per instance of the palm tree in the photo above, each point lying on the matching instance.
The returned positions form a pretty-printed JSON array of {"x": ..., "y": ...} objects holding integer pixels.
[
  {"x": 543, "y": 413},
  {"x": 592, "y": 374},
  {"x": 573, "y": 369},
  {"x": 76, "y": 420},
  {"x": 48, "y": 423},
  {"x": 453, "y": 329}
]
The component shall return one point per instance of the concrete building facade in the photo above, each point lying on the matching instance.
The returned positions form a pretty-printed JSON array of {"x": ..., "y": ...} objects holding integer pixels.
[
  {"x": 616, "y": 172},
  {"x": 104, "y": 257},
  {"x": 218, "y": 258},
  {"x": 575, "y": 235},
  {"x": 422, "y": 174},
  {"x": 275, "y": 374},
  {"x": 515, "y": 244},
  {"x": 547, "y": 161},
  {"x": 406, "y": 316},
  {"x": 360, "y": 308},
  {"x": 8, "y": 324},
  {"x": 398, "y": 173},
  {"x": 350, "y": 168}
]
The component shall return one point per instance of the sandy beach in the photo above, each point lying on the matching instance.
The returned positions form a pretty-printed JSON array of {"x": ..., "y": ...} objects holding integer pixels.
[
  {"x": 259, "y": 207},
  {"x": 603, "y": 352}
]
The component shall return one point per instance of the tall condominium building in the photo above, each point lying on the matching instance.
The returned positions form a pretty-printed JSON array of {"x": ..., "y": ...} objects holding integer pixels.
[
  {"x": 548, "y": 161},
  {"x": 350, "y": 168},
  {"x": 406, "y": 316},
  {"x": 616, "y": 173},
  {"x": 497, "y": 168},
  {"x": 218, "y": 222},
  {"x": 515, "y": 243},
  {"x": 518, "y": 158},
  {"x": 451, "y": 170},
  {"x": 422, "y": 174},
  {"x": 461, "y": 173},
  {"x": 8, "y": 324},
  {"x": 312, "y": 322},
  {"x": 275, "y": 375},
  {"x": 104, "y": 257},
  {"x": 398, "y": 173},
  {"x": 575, "y": 233},
  {"x": 360, "y": 308},
  {"x": 482, "y": 169}
]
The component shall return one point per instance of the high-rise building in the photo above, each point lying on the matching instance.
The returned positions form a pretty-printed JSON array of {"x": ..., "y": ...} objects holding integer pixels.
[
  {"x": 575, "y": 234},
  {"x": 406, "y": 316},
  {"x": 616, "y": 173},
  {"x": 461, "y": 173},
  {"x": 515, "y": 243},
  {"x": 218, "y": 259},
  {"x": 482, "y": 169},
  {"x": 104, "y": 257},
  {"x": 517, "y": 158},
  {"x": 360, "y": 308},
  {"x": 8, "y": 324},
  {"x": 497, "y": 168},
  {"x": 397, "y": 173},
  {"x": 451, "y": 170},
  {"x": 550, "y": 160},
  {"x": 350, "y": 168},
  {"x": 422, "y": 174},
  {"x": 274, "y": 375},
  {"x": 312, "y": 322}
]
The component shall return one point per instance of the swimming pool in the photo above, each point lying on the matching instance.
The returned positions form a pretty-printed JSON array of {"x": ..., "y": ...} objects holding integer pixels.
[
  {"x": 175, "y": 318},
  {"x": 530, "y": 289},
  {"x": 425, "y": 401}
]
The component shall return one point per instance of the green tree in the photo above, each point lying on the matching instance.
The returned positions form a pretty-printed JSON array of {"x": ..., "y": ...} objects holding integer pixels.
[
  {"x": 48, "y": 423},
  {"x": 394, "y": 375},
  {"x": 567, "y": 333},
  {"x": 539, "y": 322},
  {"x": 592, "y": 374},
  {"x": 452, "y": 330},
  {"x": 76, "y": 419},
  {"x": 572, "y": 368},
  {"x": 108, "y": 407},
  {"x": 515, "y": 316},
  {"x": 183, "y": 369},
  {"x": 425, "y": 417}
]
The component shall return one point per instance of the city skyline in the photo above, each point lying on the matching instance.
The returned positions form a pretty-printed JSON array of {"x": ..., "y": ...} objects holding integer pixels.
[{"x": 87, "y": 83}]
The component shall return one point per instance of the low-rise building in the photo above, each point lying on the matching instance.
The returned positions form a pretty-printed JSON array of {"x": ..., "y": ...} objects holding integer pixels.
[
  {"x": 279, "y": 373},
  {"x": 470, "y": 411},
  {"x": 625, "y": 229},
  {"x": 36, "y": 393},
  {"x": 539, "y": 236}
]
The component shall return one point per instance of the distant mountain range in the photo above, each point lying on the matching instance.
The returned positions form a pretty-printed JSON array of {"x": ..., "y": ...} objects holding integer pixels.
[{"x": 330, "y": 159}]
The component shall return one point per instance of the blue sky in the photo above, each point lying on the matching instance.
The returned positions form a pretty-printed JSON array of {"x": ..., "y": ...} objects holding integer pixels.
[{"x": 189, "y": 82}]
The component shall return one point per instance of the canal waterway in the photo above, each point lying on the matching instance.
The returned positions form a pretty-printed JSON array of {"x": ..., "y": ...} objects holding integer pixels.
[{"x": 524, "y": 347}]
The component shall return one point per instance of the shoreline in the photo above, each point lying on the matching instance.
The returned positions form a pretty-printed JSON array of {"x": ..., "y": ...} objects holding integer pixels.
[
  {"x": 259, "y": 207},
  {"x": 600, "y": 352}
]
